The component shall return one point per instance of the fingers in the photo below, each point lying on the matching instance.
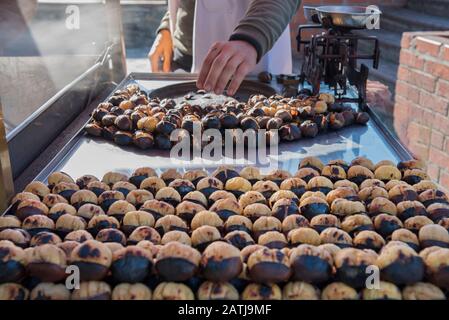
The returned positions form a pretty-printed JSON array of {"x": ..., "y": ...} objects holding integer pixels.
[
  {"x": 214, "y": 51},
  {"x": 236, "y": 81},
  {"x": 166, "y": 67},
  {"x": 154, "y": 60},
  {"x": 228, "y": 71},
  {"x": 216, "y": 69}
]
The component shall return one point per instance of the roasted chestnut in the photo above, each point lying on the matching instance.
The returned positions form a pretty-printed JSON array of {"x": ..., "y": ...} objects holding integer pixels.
[
  {"x": 356, "y": 223},
  {"x": 407, "y": 237},
  {"x": 158, "y": 208},
  {"x": 266, "y": 188},
  {"x": 140, "y": 175},
  {"x": 339, "y": 291},
  {"x": 256, "y": 210},
  {"x": 44, "y": 237},
  {"x": 437, "y": 267},
  {"x": 238, "y": 186},
  {"x": 336, "y": 236},
  {"x": 438, "y": 211},
  {"x": 134, "y": 219},
  {"x": 194, "y": 176},
  {"x": 111, "y": 235},
  {"x": 81, "y": 197},
  {"x": 209, "y": 290},
  {"x": 351, "y": 265},
  {"x": 144, "y": 233},
  {"x": 9, "y": 222},
  {"x": 324, "y": 221},
  {"x": 385, "y": 291},
  {"x": 414, "y": 224},
  {"x": 197, "y": 198},
  {"x": 431, "y": 196},
  {"x": 313, "y": 206},
  {"x": 433, "y": 235},
  {"x": 93, "y": 259},
  {"x": 163, "y": 142},
  {"x": 126, "y": 291},
  {"x": 304, "y": 235},
  {"x": 293, "y": 222},
  {"x": 98, "y": 187},
  {"x": 269, "y": 266},
  {"x": 172, "y": 291},
  {"x": 47, "y": 263},
  {"x": 259, "y": 291},
  {"x": 92, "y": 290},
  {"x": 169, "y": 223},
  {"x": 423, "y": 291},
  {"x": 400, "y": 265},
  {"x": 50, "y": 291},
  {"x": 152, "y": 184},
  {"x": 290, "y": 132},
  {"x": 94, "y": 129},
  {"x": 401, "y": 193},
  {"x": 298, "y": 290},
  {"x": 387, "y": 172},
  {"x": 13, "y": 291},
  {"x": 221, "y": 262},
  {"x": 107, "y": 198},
  {"x": 177, "y": 262},
  {"x": 12, "y": 262},
  {"x": 311, "y": 162},
  {"x": 38, "y": 188},
  {"x": 131, "y": 264},
  {"x": 368, "y": 194},
  {"x": 37, "y": 223},
  {"x": 19, "y": 237},
  {"x": 359, "y": 173},
  {"x": 30, "y": 207},
  {"x": 252, "y": 174},
  {"x": 386, "y": 224},
  {"x": 311, "y": 264},
  {"x": 183, "y": 187},
  {"x": 176, "y": 235},
  {"x": 209, "y": 185},
  {"x": 226, "y": 208},
  {"x": 239, "y": 239}
]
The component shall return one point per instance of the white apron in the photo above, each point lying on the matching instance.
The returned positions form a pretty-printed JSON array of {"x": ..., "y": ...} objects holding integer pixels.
[{"x": 215, "y": 20}]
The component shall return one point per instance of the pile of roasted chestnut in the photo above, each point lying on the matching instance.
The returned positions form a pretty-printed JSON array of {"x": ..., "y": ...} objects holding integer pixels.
[
  {"x": 130, "y": 117},
  {"x": 316, "y": 234}
]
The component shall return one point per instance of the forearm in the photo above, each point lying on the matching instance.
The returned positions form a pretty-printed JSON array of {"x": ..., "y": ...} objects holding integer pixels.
[
  {"x": 264, "y": 23},
  {"x": 165, "y": 23}
]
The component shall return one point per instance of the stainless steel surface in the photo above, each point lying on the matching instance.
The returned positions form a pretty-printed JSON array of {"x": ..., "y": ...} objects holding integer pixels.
[
  {"x": 347, "y": 16},
  {"x": 6, "y": 181},
  {"x": 86, "y": 155}
]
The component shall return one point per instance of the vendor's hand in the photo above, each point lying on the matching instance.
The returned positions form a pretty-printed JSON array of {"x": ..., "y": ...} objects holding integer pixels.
[
  {"x": 226, "y": 60},
  {"x": 162, "y": 50}
]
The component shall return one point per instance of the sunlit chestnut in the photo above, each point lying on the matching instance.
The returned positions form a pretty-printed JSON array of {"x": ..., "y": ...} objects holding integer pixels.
[
  {"x": 92, "y": 290},
  {"x": 359, "y": 173},
  {"x": 303, "y": 235},
  {"x": 368, "y": 194},
  {"x": 37, "y": 223},
  {"x": 172, "y": 291},
  {"x": 12, "y": 263},
  {"x": 269, "y": 266},
  {"x": 339, "y": 291},
  {"x": 30, "y": 207},
  {"x": 423, "y": 291},
  {"x": 401, "y": 193},
  {"x": 311, "y": 264},
  {"x": 433, "y": 235},
  {"x": 107, "y": 198},
  {"x": 336, "y": 236},
  {"x": 144, "y": 233},
  {"x": 258, "y": 291},
  {"x": 293, "y": 222},
  {"x": 357, "y": 223},
  {"x": 44, "y": 237},
  {"x": 313, "y": 206},
  {"x": 19, "y": 237},
  {"x": 209, "y": 185},
  {"x": 47, "y": 263},
  {"x": 324, "y": 221},
  {"x": 136, "y": 291}
]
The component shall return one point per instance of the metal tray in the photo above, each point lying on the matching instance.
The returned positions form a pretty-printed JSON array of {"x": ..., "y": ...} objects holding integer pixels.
[{"x": 88, "y": 155}]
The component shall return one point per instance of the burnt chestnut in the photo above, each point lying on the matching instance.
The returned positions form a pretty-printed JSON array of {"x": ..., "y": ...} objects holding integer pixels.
[
  {"x": 309, "y": 129},
  {"x": 359, "y": 173},
  {"x": 239, "y": 239},
  {"x": 336, "y": 236},
  {"x": 19, "y": 237},
  {"x": 13, "y": 291},
  {"x": 123, "y": 138},
  {"x": 84, "y": 180},
  {"x": 311, "y": 264},
  {"x": 324, "y": 221},
  {"x": 414, "y": 176},
  {"x": 9, "y": 222},
  {"x": 209, "y": 290},
  {"x": 265, "y": 224},
  {"x": 266, "y": 188},
  {"x": 296, "y": 185},
  {"x": 356, "y": 223},
  {"x": 158, "y": 208},
  {"x": 131, "y": 264},
  {"x": 203, "y": 236},
  {"x": 430, "y": 196},
  {"x": 144, "y": 233},
  {"x": 423, "y": 291},
  {"x": 401, "y": 193},
  {"x": 400, "y": 265},
  {"x": 50, "y": 291},
  {"x": 368, "y": 239},
  {"x": 313, "y": 206},
  {"x": 284, "y": 207},
  {"x": 407, "y": 237},
  {"x": 226, "y": 207},
  {"x": 209, "y": 185},
  {"x": 221, "y": 262},
  {"x": 87, "y": 211},
  {"x": 410, "y": 164},
  {"x": 37, "y": 223},
  {"x": 344, "y": 208},
  {"x": 290, "y": 132},
  {"x": 138, "y": 197},
  {"x": 143, "y": 140},
  {"x": 119, "y": 208},
  {"x": 238, "y": 223},
  {"x": 304, "y": 235},
  {"x": 293, "y": 222},
  {"x": 44, "y": 237},
  {"x": 414, "y": 224},
  {"x": 134, "y": 219},
  {"x": 437, "y": 267},
  {"x": 12, "y": 262},
  {"x": 433, "y": 235},
  {"x": 268, "y": 266},
  {"x": 93, "y": 259},
  {"x": 386, "y": 224},
  {"x": 424, "y": 185},
  {"x": 274, "y": 123},
  {"x": 273, "y": 240},
  {"x": 408, "y": 209},
  {"x": 438, "y": 211},
  {"x": 30, "y": 207},
  {"x": 368, "y": 194},
  {"x": 140, "y": 175},
  {"x": 92, "y": 290},
  {"x": 100, "y": 222},
  {"x": 182, "y": 186},
  {"x": 334, "y": 173},
  {"x": 169, "y": 223},
  {"x": 259, "y": 291},
  {"x": 18, "y": 198},
  {"x": 111, "y": 235},
  {"x": 386, "y": 291},
  {"x": 98, "y": 187},
  {"x": 256, "y": 210},
  {"x": 381, "y": 205},
  {"x": 78, "y": 236},
  {"x": 47, "y": 263},
  {"x": 163, "y": 142},
  {"x": 107, "y": 198},
  {"x": 351, "y": 265},
  {"x": 172, "y": 291}
]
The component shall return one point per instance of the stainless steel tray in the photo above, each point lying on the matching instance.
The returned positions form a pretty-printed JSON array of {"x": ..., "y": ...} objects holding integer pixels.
[{"x": 88, "y": 155}]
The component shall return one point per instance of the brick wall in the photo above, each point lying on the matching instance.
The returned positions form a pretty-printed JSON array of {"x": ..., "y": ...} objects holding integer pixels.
[
  {"x": 299, "y": 18},
  {"x": 421, "y": 113}
]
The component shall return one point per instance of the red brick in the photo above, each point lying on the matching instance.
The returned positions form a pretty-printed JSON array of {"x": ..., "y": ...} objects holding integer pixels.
[
  {"x": 439, "y": 157},
  {"x": 428, "y": 46},
  {"x": 407, "y": 91},
  {"x": 418, "y": 133},
  {"x": 433, "y": 102},
  {"x": 437, "y": 69},
  {"x": 406, "y": 39},
  {"x": 446, "y": 148},
  {"x": 444, "y": 180},
  {"x": 403, "y": 73},
  {"x": 443, "y": 88},
  {"x": 442, "y": 124},
  {"x": 445, "y": 52},
  {"x": 411, "y": 59},
  {"x": 419, "y": 150},
  {"x": 422, "y": 80},
  {"x": 433, "y": 171},
  {"x": 437, "y": 140}
]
